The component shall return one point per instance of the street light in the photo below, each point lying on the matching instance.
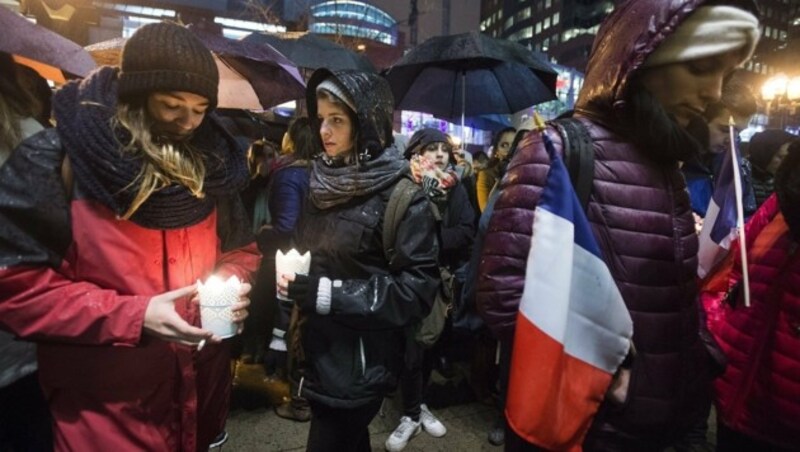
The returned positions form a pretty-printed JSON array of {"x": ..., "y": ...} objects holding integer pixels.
[{"x": 783, "y": 93}]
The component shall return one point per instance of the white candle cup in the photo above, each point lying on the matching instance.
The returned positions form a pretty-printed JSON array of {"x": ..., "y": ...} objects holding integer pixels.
[
  {"x": 216, "y": 299},
  {"x": 291, "y": 263}
]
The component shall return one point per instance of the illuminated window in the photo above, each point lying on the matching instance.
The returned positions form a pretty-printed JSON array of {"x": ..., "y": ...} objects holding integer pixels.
[{"x": 353, "y": 18}]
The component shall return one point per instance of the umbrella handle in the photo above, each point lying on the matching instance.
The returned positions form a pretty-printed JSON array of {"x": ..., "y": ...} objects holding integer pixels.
[{"x": 463, "y": 107}]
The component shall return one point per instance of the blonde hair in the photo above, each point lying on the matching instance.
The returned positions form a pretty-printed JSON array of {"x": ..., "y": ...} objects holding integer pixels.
[
  {"x": 164, "y": 164},
  {"x": 16, "y": 104},
  {"x": 10, "y": 131}
]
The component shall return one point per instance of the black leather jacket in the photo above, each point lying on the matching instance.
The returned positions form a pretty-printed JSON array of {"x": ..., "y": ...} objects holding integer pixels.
[{"x": 354, "y": 354}]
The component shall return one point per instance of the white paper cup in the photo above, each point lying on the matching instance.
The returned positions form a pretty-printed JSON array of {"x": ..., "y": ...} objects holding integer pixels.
[
  {"x": 291, "y": 263},
  {"x": 216, "y": 299}
]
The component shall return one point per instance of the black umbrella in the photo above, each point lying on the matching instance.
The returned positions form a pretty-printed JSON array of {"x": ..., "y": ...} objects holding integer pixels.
[
  {"x": 311, "y": 51},
  {"x": 45, "y": 51},
  {"x": 491, "y": 122},
  {"x": 470, "y": 75}
]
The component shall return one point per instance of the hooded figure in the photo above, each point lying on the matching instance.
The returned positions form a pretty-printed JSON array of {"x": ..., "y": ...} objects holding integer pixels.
[
  {"x": 353, "y": 308},
  {"x": 767, "y": 149},
  {"x": 654, "y": 68},
  {"x": 106, "y": 223}
]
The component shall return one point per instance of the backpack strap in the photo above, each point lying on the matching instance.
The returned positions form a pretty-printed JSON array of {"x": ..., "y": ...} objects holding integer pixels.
[
  {"x": 402, "y": 194},
  {"x": 578, "y": 156}
]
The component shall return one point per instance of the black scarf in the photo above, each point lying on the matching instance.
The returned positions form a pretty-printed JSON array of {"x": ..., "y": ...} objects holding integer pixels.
[
  {"x": 85, "y": 111},
  {"x": 332, "y": 185}
]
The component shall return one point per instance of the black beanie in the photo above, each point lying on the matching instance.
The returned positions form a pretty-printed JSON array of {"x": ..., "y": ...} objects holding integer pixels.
[
  {"x": 165, "y": 56},
  {"x": 424, "y": 137}
]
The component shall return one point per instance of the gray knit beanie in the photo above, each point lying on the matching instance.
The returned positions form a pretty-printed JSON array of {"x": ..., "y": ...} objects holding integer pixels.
[{"x": 165, "y": 56}]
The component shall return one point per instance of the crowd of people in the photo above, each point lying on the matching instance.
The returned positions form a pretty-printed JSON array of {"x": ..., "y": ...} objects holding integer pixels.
[{"x": 135, "y": 188}]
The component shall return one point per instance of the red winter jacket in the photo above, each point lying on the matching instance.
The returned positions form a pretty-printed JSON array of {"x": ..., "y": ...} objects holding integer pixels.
[
  {"x": 109, "y": 386},
  {"x": 759, "y": 393}
]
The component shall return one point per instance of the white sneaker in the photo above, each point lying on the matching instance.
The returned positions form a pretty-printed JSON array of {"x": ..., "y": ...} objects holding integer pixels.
[
  {"x": 400, "y": 437},
  {"x": 219, "y": 441},
  {"x": 431, "y": 423}
]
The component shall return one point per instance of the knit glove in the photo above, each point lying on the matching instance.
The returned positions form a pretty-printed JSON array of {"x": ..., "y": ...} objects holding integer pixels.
[
  {"x": 303, "y": 291},
  {"x": 431, "y": 188}
]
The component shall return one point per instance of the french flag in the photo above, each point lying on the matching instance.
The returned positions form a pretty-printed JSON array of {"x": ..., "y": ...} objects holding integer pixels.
[
  {"x": 573, "y": 329},
  {"x": 719, "y": 226}
]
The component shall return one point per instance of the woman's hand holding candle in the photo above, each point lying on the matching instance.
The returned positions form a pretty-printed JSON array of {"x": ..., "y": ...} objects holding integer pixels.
[
  {"x": 162, "y": 321},
  {"x": 239, "y": 309},
  {"x": 283, "y": 284},
  {"x": 286, "y": 266},
  {"x": 223, "y": 306}
]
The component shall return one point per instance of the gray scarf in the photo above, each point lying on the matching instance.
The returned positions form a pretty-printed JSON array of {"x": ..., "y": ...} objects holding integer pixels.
[{"x": 333, "y": 185}]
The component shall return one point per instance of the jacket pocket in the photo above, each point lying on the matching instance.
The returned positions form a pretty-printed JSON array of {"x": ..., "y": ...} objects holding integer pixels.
[{"x": 359, "y": 227}]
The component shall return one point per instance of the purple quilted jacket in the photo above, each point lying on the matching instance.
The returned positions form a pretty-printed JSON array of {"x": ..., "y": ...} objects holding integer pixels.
[{"x": 640, "y": 214}]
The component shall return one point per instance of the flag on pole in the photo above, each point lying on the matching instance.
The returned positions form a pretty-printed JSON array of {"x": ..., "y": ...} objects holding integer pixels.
[
  {"x": 725, "y": 217},
  {"x": 573, "y": 329},
  {"x": 719, "y": 225},
  {"x": 724, "y": 213}
]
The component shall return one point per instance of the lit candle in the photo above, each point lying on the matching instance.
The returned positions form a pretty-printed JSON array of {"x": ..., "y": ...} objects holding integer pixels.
[
  {"x": 291, "y": 263},
  {"x": 216, "y": 298}
]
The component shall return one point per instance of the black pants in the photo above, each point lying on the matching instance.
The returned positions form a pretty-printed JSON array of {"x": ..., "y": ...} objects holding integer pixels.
[
  {"x": 25, "y": 423},
  {"x": 340, "y": 429},
  {"x": 417, "y": 371}
]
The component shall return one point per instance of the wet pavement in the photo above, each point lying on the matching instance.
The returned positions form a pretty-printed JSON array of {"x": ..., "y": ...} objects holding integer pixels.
[{"x": 254, "y": 426}]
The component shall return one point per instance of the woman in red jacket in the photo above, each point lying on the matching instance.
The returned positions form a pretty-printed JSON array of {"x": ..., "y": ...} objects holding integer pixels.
[
  {"x": 758, "y": 396},
  {"x": 106, "y": 223}
]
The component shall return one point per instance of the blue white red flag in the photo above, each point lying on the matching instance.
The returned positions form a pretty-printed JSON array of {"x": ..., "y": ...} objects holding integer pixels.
[
  {"x": 725, "y": 216},
  {"x": 720, "y": 224},
  {"x": 573, "y": 329}
]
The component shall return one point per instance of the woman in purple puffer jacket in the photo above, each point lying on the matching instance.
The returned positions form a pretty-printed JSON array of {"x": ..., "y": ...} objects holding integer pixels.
[{"x": 654, "y": 68}]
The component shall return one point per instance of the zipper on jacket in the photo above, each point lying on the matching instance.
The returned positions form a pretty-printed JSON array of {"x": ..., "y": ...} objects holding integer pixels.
[
  {"x": 300, "y": 386},
  {"x": 363, "y": 356}
]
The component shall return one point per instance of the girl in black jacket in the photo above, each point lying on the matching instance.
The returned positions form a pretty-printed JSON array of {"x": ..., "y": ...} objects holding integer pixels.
[{"x": 352, "y": 310}]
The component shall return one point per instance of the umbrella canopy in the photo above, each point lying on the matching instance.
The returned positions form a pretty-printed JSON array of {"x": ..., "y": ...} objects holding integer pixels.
[
  {"x": 311, "y": 51},
  {"x": 470, "y": 74},
  {"x": 43, "y": 50},
  {"x": 490, "y": 122},
  {"x": 250, "y": 77}
]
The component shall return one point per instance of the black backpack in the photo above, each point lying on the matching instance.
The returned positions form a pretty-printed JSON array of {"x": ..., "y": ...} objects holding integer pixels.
[
  {"x": 579, "y": 160},
  {"x": 427, "y": 330}
]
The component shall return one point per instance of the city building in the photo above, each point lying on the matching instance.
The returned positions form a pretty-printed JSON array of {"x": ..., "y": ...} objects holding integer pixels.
[
  {"x": 355, "y": 19},
  {"x": 432, "y": 17},
  {"x": 87, "y": 22},
  {"x": 360, "y": 26},
  {"x": 779, "y": 48},
  {"x": 562, "y": 29}
]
